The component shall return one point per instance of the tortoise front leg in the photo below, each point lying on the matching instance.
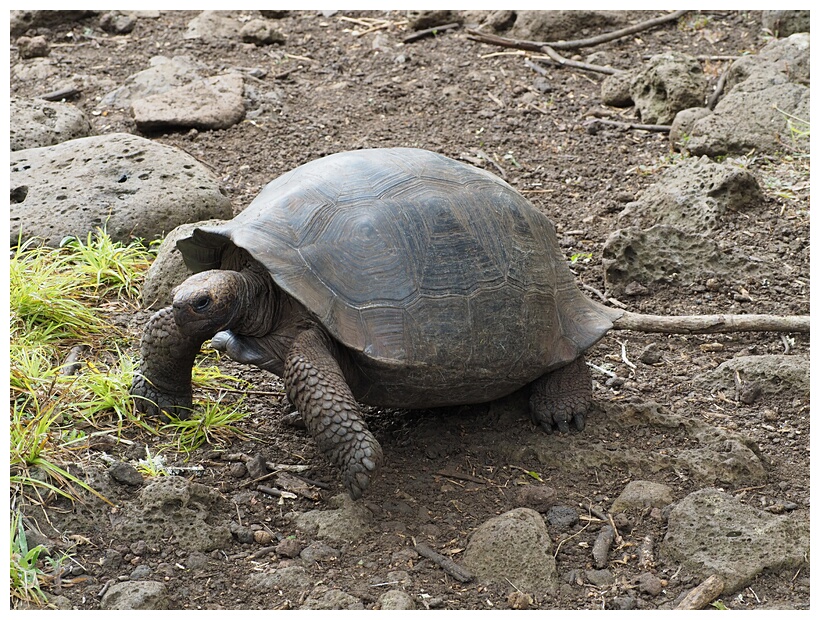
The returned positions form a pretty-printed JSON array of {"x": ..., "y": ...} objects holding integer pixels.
[
  {"x": 317, "y": 387},
  {"x": 162, "y": 383}
]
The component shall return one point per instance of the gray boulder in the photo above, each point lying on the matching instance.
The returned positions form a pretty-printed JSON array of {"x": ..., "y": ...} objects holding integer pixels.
[
  {"x": 616, "y": 89},
  {"x": 771, "y": 374},
  {"x": 710, "y": 532},
  {"x": 668, "y": 83},
  {"x": 349, "y": 521},
  {"x": 22, "y": 21},
  {"x": 514, "y": 548},
  {"x": 564, "y": 25},
  {"x": 395, "y": 599},
  {"x": 782, "y": 60},
  {"x": 681, "y": 129},
  {"x": 213, "y": 25},
  {"x": 163, "y": 75},
  {"x": 42, "y": 70},
  {"x": 261, "y": 32},
  {"x": 719, "y": 456},
  {"x": 33, "y": 47},
  {"x": 640, "y": 494},
  {"x": 168, "y": 269},
  {"x": 212, "y": 103},
  {"x": 118, "y": 22},
  {"x": 785, "y": 23},
  {"x": 765, "y": 107},
  {"x": 35, "y": 123},
  {"x": 660, "y": 254},
  {"x": 133, "y": 187},
  {"x": 136, "y": 595},
  {"x": 693, "y": 196},
  {"x": 173, "y": 505}
]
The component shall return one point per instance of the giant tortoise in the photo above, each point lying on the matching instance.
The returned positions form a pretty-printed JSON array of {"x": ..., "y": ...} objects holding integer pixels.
[{"x": 394, "y": 277}]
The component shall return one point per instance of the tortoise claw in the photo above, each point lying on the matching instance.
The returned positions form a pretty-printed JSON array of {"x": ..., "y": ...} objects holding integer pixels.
[
  {"x": 580, "y": 421},
  {"x": 562, "y": 425},
  {"x": 358, "y": 475}
]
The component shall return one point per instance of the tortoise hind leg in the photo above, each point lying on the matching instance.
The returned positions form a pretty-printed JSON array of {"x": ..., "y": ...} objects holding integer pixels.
[
  {"x": 562, "y": 397},
  {"x": 316, "y": 385}
]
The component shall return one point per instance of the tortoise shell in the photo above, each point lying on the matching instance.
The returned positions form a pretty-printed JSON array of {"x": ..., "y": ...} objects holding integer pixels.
[{"x": 444, "y": 283}]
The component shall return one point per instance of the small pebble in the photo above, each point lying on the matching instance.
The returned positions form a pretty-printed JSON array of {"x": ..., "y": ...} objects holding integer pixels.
[
  {"x": 562, "y": 517},
  {"x": 635, "y": 289},
  {"x": 33, "y": 47},
  {"x": 603, "y": 577},
  {"x": 622, "y": 603},
  {"x": 289, "y": 548},
  {"x": 651, "y": 354},
  {"x": 238, "y": 470},
  {"x": 538, "y": 497},
  {"x": 650, "y": 584},
  {"x": 519, "y": 600},
  {"x": 749, "y": 392}
]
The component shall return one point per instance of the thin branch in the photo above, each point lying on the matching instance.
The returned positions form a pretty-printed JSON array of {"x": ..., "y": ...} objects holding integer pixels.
[
  {"x": 721, "y": 84},
  {"x": 703, "y": 594},
  {"x": 577, "y": 64},
  {"x": 494, "y": 39},
  {"x": 537, "y": 68},
  {"x": 429, "y": 31},
  {"x": 618, "y": 34},
  {"x": 451, "y": 568},
  {"x": 594, "y": 124},
  {"x": 69, "y": 92},
  {"x": 712, "y": 323},
  {"x": 536, "y": 46},
  {"x": 594, "y": 290}
]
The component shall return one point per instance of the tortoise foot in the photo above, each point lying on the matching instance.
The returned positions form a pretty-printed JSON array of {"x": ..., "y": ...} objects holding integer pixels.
[
  {"x": 560, "y": 400},
  {"x": 360, "y": 463},
  {"x": 153, "y": 402}
]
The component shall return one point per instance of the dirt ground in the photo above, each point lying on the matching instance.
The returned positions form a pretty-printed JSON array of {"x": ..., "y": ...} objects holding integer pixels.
[{"x": 329, "y": 90}]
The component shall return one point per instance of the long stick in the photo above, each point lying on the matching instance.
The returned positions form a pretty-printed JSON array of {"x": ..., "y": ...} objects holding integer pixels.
[
  {"x": 712, "y": 323},
  {"x": 535, "y": 46}
]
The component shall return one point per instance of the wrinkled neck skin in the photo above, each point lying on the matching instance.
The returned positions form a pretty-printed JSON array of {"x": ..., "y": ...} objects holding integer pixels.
[
  {"x": 264, "y": 312},
  {"x": 258, "y": 303}
]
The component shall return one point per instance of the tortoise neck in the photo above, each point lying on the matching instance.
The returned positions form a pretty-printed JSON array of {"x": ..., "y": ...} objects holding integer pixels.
[{"x": 259, "y": 303}]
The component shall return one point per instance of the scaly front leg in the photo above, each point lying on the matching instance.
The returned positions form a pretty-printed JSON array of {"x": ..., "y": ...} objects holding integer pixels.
[
  {"x": 317, "y": 387},
  {"x": 162, "y": 383}
]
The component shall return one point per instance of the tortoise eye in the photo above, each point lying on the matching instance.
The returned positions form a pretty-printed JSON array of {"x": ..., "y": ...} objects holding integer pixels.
[{"x": 201, "y": 303}]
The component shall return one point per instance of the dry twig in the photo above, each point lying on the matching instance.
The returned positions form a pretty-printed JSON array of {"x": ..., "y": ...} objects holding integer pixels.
[
  {"x": 721, "y": 84},
  {"x": 536, "y": 46},
  {"x": 712, "y": 323},
  {"x": 427, "y": 32},
  {"x": 451, "y": 568},
  {"x": 594, "y": 124},
  {"x": 703, "y": 594}
]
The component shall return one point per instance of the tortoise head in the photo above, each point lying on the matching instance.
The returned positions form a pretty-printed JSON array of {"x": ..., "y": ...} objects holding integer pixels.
[{"x": 209, "y": 302}]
